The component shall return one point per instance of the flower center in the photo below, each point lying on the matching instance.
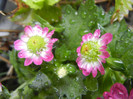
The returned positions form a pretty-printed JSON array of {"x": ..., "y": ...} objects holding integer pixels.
[
  {"x": 36, "y": 44},
  {"x": 90, "y": 50}
]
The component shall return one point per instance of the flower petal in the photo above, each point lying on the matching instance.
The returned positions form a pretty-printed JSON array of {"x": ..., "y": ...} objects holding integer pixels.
[
  {"x": 45, "y": 31},
  {"x": 99, "y": 98},
  {"x": 37, "y": 30},
  {"x": 119, "y": 91},
  {"x": 24, "y": 38},
  {"x": 131, "y": 94},
  {"x": 87, "y": 37},
  {"x": 85, "y": 73},
  {"x": 49, "y": 35},
  {"x": 78, "y": 59},
  {"x": 28, "y": 31},
  {"x": 102, "y": 59},
  {"x": 0, "y": 87},
  {"x": 37, "y": 60},
  {"x": 28, "y": 61},
  {"x": 48, "y": 57},
  {"x": 78, "y": 50},
  {"x": 94, "y": 71},
  {"x": 24, "y": 54},
  {"x": 81, "y": 43},
  {"x": 20, "y": 45},
  {"x": 53, "y": 40},
  {"x": 105, "y": 54},
  {"x": 100, "y": 68},
  {"x": 107, "y": 95},
  {"x": 97, "y": 33},
  {"x": 103, "y": 47},
  {"x": 108, "y": 37},
  {"x": 103, "y": 42},
  {"x": 89, "y": 68}
]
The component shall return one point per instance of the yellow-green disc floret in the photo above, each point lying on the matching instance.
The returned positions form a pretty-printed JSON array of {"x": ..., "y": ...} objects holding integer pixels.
[
  {"x": 35, "y": 44},
  {"x": 90, "y": 50}
]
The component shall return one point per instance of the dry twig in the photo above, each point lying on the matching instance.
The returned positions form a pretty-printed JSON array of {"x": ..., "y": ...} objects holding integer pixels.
[
  {"x": 100, "y": 1},
  {"x": 11, "y": 31},
  {"x": 7, "y": 78},
  {"x": 5, "y": 60},
  {"x": 10, "y": 71}
]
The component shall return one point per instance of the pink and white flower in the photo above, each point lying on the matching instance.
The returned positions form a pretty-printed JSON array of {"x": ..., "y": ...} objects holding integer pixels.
[
  {"x": 117, "y": 91},
  {"x": 35, "y": 45},
  {"x": 92, "y": 52}
]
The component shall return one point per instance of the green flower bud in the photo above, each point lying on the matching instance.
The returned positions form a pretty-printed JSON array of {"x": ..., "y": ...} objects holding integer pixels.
[{"x": 115, "y": 64}]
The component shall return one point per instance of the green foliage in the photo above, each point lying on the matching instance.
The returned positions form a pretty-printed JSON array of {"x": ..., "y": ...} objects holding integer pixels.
[
  {"x": 44, "y": 80},
  {"x": 41, "y": 81},
  {"x": 35, "y": 4},
  {"x": 23, "y": 16},
  {"x": 38, "y": 4},
  {"x": 91, "y": 83},
  {"x": 44, "y": 16},
  {"x": 23, "y": 91},
  {"x": 71, "y": 86},
  {"x": 115, "y": 64},
  {"x": 49, "y": 13},
  {"x": 5, "y": 93}
]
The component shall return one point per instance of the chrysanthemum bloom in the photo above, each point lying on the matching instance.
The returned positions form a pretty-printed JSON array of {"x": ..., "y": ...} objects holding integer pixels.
[
  {"x": 92, "y": 52},
  {"x": 117, "y": 91},
  {"x": 35, "y": 45}
]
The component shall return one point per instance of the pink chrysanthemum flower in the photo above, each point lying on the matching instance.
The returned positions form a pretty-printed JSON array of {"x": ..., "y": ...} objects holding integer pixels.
[
  {"x": 35, "y": 45},
  {"x": 117, "y": 91},
  {"x": 92, "y": 52}
]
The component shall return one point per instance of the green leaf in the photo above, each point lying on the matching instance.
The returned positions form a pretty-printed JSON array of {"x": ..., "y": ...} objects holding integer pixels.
[
  {"x": 115, "y": 64},
  {"x": 38, "y": 4},
  {"x": 52, "y": 2},
  {"x": 49, "y": 13},
  {"x": 45, "y": 95},
  {"x": 91, "y": 83},
  {"x": 23, "y": 91},
  {"x": 23, "y": 16},
  {"x": 105, "y": 82},
  {"x": 77, "y": 23},
  {"x": 41, "y": 81},
  {"x": 65, "y": 54},
  {"x": 44, "y": 23},
  {"x": 103, "y": 17},
  {"x": 35, "y": 4},
  {"x": 130, "y": 70},
  {"x": 72, "y": 87},
  {"x": 5, "y": 93}
]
